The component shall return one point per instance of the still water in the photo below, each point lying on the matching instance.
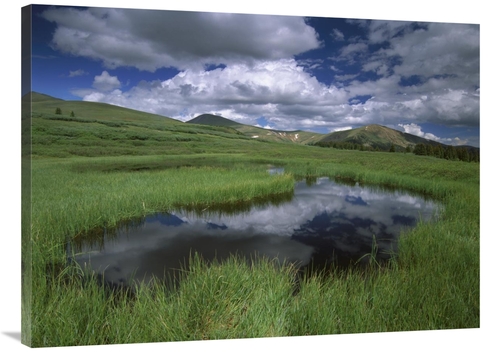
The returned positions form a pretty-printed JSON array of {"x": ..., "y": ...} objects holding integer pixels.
[{"x": 322, "y": 223}]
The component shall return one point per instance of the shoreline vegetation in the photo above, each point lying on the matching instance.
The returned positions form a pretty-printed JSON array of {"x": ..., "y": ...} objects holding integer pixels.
[{"x": 91, "y": 175}]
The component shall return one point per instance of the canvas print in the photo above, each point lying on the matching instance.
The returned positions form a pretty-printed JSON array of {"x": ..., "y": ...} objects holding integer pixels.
[{"x": 195, "y": 176}]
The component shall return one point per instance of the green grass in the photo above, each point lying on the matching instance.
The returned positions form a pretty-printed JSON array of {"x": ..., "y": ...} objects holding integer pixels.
[{"x": 90, "y": 174}]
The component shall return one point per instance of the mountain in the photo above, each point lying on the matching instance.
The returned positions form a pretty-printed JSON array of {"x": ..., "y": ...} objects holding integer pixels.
[
  {"x": 214, "y": 120},
  {"x": 375, "y": 136},
  {"x": 300, "y": 137}
]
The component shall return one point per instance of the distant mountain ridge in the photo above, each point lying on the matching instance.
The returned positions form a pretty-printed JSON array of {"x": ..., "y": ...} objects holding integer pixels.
[
  {"x": 215, "y": 120},
  {"x": 370, "y": 137},
  {"x": 376, "y": 136},
  {"x": 381, "y": 138},
  {"x": 300, "y": 137}
]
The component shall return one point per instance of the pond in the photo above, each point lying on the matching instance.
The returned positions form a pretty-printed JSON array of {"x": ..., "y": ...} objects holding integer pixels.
[{"x": 322, "y": 223}]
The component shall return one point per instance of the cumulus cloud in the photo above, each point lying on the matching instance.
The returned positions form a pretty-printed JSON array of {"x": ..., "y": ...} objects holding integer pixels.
[
  {"x": 425, "y": 72},
  {"x": 279, "y": 90},
  {"x": 105, "y": 82},
  {"x": 417, "y": 131},
  {"x": 288, "y": 96},
  {"x": 149, "y": 39},
  {"x": 439, "y": 50}
]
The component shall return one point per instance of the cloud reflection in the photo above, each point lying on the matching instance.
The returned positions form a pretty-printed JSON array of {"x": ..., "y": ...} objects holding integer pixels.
[{"x": 322, "y": 221}]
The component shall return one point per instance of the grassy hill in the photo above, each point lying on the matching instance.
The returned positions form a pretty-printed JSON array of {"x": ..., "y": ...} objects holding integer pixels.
[
  {"x": 300, "y": 137},
  {"x": 376, "y": 136},
  {"x": 44, "y": 105},
  {"x": 97, "y": 129},
  {"x": 65, "y": 128}
]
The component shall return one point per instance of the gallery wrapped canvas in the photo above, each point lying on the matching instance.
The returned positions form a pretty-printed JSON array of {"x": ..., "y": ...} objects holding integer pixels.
[{"x": 191, "y": 175}]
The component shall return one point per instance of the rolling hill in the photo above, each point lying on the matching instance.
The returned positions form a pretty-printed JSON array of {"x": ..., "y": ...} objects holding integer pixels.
[
  {"x": 371, "y": 137},
  {"x": 45, "y": 105},
  {"x": 59, "y": 128}
]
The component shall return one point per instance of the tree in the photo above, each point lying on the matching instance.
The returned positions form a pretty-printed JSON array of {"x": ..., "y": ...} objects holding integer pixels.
[
  {"x": 450, "y": 153},
  {"x": 438, "y": 151},
  {"x": 419, "y": 149},
  {"x": 474, "y": 156},
  {"x": 72, "y": 114},
  {"x": 58, "y": 111},
  {"x": 392, "y": 149},
  {"x": 428, "y": 149}
]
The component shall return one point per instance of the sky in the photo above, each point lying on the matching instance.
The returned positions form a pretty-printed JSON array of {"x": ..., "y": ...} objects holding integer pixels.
[{"x": 319, "y": 74}]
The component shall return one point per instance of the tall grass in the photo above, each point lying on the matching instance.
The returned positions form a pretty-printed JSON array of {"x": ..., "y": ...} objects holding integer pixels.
[{"x": 217, "y": 301}]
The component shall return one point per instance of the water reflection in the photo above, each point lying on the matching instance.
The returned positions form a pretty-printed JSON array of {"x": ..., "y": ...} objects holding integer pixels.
[{"x": 322, "y": 223}]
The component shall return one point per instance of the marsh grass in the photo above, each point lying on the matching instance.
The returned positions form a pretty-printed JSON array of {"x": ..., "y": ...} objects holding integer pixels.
[
  {"x": 66, "y": 204},
  {"x": 223, "y": 299}
]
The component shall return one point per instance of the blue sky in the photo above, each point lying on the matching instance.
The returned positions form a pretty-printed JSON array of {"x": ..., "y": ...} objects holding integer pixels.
[{"x": 320, "y": 74}]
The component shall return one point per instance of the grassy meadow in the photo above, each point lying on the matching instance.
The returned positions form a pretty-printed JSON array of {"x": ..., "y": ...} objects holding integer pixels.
[{"x": 105, "y": 165}]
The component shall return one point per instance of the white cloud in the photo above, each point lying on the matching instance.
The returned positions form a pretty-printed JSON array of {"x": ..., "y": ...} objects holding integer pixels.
[
  {"x": 458, "y": 141},
  {"x": 417, "y": 131},
  {"x": 94, "y": 96},
  {"x": 279, "y": 90},
  {"x": 338, "y": 129},
  {"x": 444, "y": 58},
  {"x": 351, "y": 49},
  {"x": 105, "y": 82},
  {"x": 267, "y": 127}
]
